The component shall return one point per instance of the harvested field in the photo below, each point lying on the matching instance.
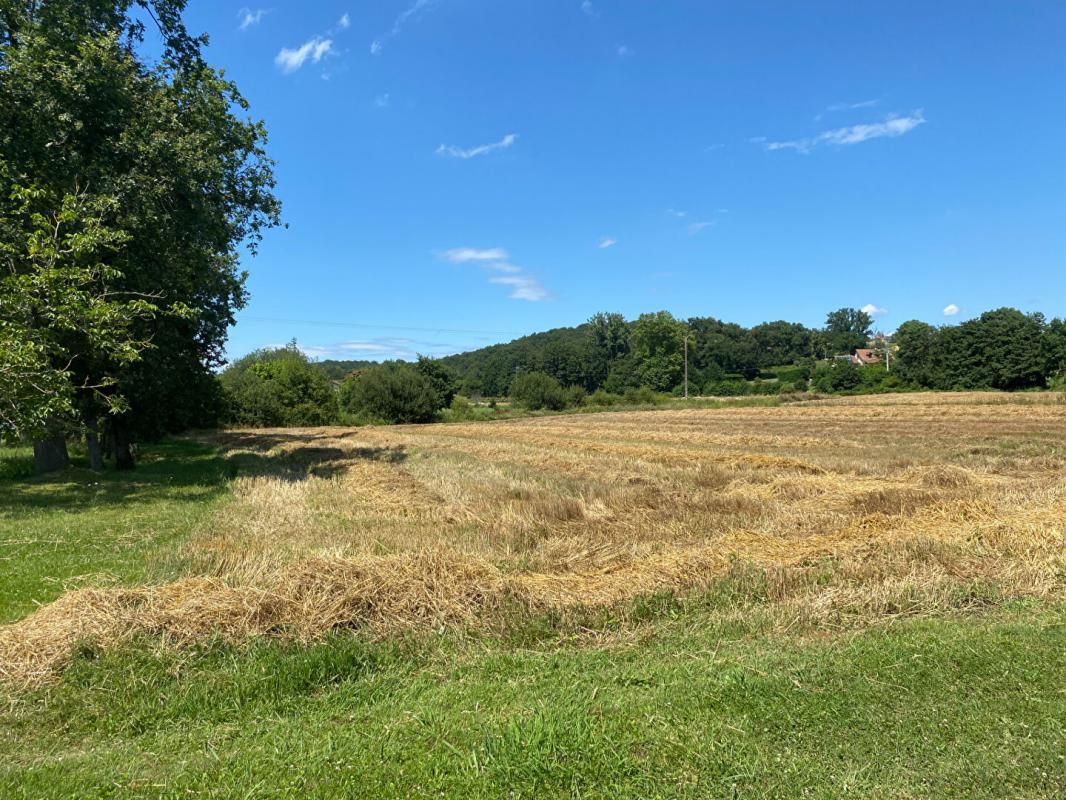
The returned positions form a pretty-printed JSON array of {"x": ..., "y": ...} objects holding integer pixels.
[{"x": 854, "y": 510}]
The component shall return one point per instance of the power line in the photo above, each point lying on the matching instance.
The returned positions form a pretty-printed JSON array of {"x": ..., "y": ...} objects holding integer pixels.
[{"x": 364, "y": 325}]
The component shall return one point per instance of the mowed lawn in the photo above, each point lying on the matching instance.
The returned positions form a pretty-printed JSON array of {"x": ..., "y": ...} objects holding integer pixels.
[{"x": 841, "y": 676}]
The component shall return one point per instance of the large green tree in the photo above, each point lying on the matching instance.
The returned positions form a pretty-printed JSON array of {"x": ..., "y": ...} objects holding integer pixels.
[
  {"x": 160, "y": 148},
  {"x": 848, "y": 329}
]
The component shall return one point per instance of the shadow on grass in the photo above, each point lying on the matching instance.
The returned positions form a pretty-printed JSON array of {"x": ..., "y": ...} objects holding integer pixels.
[{"x": 181, "y": 470}]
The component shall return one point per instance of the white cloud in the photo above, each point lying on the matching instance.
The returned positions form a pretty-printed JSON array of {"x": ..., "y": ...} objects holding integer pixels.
[
  {"x": 675, "y": 213},
  {"x": 459, "y": 152},
  {"x": 587, "y": 8},
  {"x": 522, "y": 287},
  {"x": 606, "y": 242},
  {"x": 314, "y": 50},
  {"x": 248, "y": 18},
  {"x": 852, "y": 106},
  {"x": 376, "y": 349},
  {"x": 874, "y": 310},
  {"x": 892, "y": 126},
  {"x": 712, "y": 147},
  {"x": 462, "y": 255},
  {"x": 696, "y": 227},
  {"x": 381, "y": 100},
  {"x": 624, "y": 50},
  {"x": 378, "y": 44},
  {"x": 344, "y": 22},
  {"x": 950, "y": 310},
  {"x": 494, "y": 260}
]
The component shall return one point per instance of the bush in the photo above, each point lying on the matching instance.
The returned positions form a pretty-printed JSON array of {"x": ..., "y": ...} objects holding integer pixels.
[
  {"x": 537, "y": 390},
  {"x": 575, "y": 396},
  {"x": 641, "y": 396},
  {"x": 393, "y": 393},
  {"x": 277, "y": 387},
  {"x": 602, "y": 398},
  {"x": 837, "y": 376},
  {"x": 727, "y": 388}
]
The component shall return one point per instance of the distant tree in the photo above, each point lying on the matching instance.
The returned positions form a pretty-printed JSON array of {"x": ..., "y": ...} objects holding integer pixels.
[
  {"x": 610, "y": 334},
  {"x": 658, "y": 340},
  {"x": 919, "y": 356},
  {"x": 781, "y": 342},
  {"x": 537, "y": 390},
  {"x": 1001, "y": 349},
  {"x": 394, "y": 392},
  {"x": 441, "y": 377},
  {"x": 848, "y": 329},
  {"x": 277, "y": 387},
  {"x": 1054, "y": 350}
]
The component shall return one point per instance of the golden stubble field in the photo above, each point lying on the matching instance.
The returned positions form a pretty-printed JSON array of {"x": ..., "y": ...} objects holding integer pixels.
[{"x": 848, "y": 511}]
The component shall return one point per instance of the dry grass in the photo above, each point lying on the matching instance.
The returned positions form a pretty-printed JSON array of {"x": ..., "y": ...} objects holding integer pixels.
[{"x": 854, "y": 509}]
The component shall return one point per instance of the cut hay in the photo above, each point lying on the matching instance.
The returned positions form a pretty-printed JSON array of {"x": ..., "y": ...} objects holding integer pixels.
[{"x": 851, "y": 512}]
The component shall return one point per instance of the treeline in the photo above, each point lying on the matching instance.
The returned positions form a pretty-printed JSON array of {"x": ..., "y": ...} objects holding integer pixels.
[
  {"x": 610, "y": 360},
  {"x": 613, "y": 354}
]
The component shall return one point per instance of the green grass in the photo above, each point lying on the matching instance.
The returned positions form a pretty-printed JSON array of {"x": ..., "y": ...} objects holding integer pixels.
[
  {"x": 65, "y": 529},
  {"x": 953, "y": 707},
  {"x": 681, "y": 701}
]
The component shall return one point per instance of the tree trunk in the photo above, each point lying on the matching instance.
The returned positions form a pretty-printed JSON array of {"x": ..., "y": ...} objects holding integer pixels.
[
  {"x": 50, "y": 455},
  {"x": 120, "y": 445},
  {"x": 96, "y": 453}
]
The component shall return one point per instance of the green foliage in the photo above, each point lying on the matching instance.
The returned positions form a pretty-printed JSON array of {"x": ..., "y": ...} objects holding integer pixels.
[
  {"x": 171, "y": 181},
  {"x": 57, "y": 312},
  {"x": 537, "y": 390},
  {"x": 275, "y": 388},
  {"x": 837, "y": 376},
  {"x": 395, "y": 392},
  {"x": 847, "y": 329},
  {"x": 440, "y": 376}
]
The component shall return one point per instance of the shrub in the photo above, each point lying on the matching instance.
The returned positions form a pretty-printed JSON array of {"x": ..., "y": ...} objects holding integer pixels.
[
  {"x": 602, "y": 398},
  {"x": 575, "y": 396},
  {"x": 837, "y": 376},
  {"x": 393, "y": 393},
  {"x": 537, "y": 390},
  {"x": 277, "y": 387},
  {"x": 641, "y": 396},
  {"x": 727, "y": 388}
]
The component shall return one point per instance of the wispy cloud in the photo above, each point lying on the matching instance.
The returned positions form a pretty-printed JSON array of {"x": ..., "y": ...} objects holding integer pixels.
[
  {"x": 344, "y": 22},
  {"x": 587, "y": 8},
  {"x": 675, "y": 213},
  {"x": 712, "y": 147},
  {"x": 852, "y": 106},
  {"x": 249, "y": 18},
  {"x": 462, "y": 255},
  {"x": 494, "y": 260},
  {"x": 382, "y": 100},
  {"x": 522, "y": 287},
  {"x": 480, "y": 150},
  {"x": 378, "y": 44},
  {"x": 606, "y": 242},
  {"x": 377, "y": 349},
  {"x": 950, "y": 310},
  {"x": 891, "y": 127},
  {"x": 874, "y": 310},
  {"x": 696, "y": 227},
  {"x": 624, "y": 51},
  {"x": 313, "y": 50}
]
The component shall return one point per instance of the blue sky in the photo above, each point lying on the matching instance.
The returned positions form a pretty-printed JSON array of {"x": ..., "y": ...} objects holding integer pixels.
[{"x": 460, "y": 172}]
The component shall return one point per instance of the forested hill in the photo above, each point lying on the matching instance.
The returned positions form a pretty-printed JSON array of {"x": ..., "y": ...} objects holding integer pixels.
[
  {"x": 610, "y": 352},
  {"x": 565, "y": 353}
]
